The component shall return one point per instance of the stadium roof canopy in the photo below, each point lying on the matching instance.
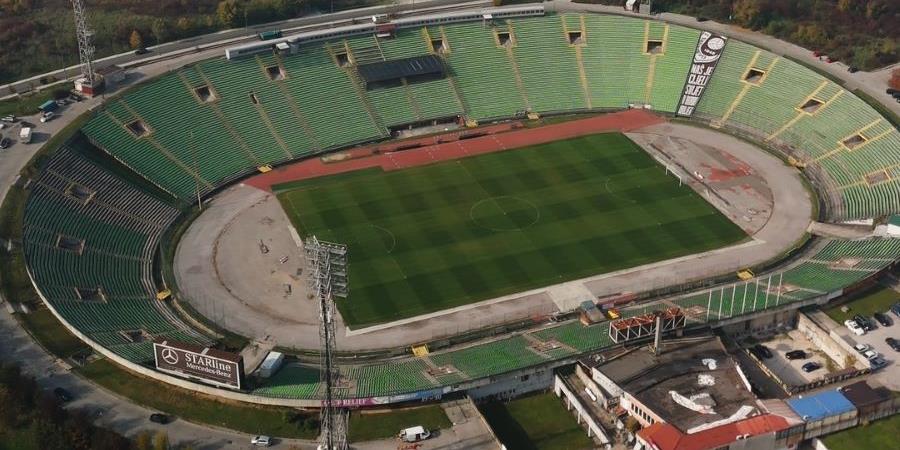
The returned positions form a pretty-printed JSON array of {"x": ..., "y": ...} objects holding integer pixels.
[{"x": 400, "y": 68}]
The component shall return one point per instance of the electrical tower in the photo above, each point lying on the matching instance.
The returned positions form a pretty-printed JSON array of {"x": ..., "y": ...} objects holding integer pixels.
[
  {"x": 327, "y": 278},
  {"x": 89, "y": 83}
]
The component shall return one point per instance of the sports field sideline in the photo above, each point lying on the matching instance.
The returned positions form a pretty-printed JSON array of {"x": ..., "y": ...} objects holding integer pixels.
[{"x": 438, "y": 236}]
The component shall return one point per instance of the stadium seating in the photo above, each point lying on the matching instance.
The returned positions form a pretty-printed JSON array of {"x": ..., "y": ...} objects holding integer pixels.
[
  {"x": 491, "y": 358},
  {"x": 389, "y": 378},
  {"x": 203, "y": 126},
  {"x": 100, "y": 281}
]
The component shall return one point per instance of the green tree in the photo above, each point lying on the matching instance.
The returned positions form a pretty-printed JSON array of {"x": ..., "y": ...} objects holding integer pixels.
[
  {"x": 160, "y": 30},
  {"x": 136, "y": 41}
]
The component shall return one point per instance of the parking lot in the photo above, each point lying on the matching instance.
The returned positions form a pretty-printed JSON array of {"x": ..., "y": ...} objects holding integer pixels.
[
  {"x": 790, "y": 372},
  {"x": 889, "y": 375}
]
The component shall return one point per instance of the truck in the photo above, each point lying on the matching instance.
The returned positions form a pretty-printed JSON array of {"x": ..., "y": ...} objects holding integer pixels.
[
  {"x": 25, "y": 135},
  {"x": 49, "y": 105},
  {"x": 269, "y": 35}
]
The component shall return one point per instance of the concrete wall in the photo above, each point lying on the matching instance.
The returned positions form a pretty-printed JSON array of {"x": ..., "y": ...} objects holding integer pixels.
[
  {"x": 827, "y": 340},
  {"x": 582, "y": 416},
  {"x": 515, "y": 386}
]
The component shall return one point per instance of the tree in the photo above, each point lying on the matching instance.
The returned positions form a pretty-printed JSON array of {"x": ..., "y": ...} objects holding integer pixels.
[
  {"x": 160, "y": 30},
  {"x": 161, "y": 441},
  {"x": 142, "y": 441},
  {"x": 228, "y": 12},
  {"x": 136, "y": 41}
]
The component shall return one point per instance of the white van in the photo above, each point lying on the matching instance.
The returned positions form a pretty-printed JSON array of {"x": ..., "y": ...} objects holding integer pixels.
[
  {"x": 414, "y": 434},
  {"x": 25, "y": 135}
]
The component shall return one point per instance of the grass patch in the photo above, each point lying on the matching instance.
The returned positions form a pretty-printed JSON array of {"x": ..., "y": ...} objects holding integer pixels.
[
  {"x": 369, "y": 426},
  {"x": 51, "y": 333},
  {"x": 434, "y": 237},
  {"x": 536, "y": 422},
  {"x": 867, "y": 305},
  {"x": 200, "y": 408},
  {"x": 879, "y": 434},
  {"x": 25, "y": 105}
]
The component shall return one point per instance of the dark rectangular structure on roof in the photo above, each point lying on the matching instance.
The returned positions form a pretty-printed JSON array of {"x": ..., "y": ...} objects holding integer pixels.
[{"x": 417, "y": 66}]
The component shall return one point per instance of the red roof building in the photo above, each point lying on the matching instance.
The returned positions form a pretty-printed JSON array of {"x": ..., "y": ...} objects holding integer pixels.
[{"x": 758, "y": 432}]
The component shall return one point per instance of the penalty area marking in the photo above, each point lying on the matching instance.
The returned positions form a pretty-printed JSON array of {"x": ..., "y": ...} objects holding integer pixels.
[{"x": 496, "y": 201}]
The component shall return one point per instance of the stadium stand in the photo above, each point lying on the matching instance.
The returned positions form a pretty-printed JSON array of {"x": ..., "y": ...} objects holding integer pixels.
[
  {"x": 89, "y": 239},
  {"x": 90, "y": 236}
]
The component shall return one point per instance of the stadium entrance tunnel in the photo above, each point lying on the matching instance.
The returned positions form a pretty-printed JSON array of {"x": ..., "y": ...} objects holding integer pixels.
[{"x": 504, "y": 213}]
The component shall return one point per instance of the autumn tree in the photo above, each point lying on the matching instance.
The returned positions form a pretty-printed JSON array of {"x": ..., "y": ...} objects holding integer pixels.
[
  {"x": 136, "y": 41},
  {"x": 228, "y": 13}
]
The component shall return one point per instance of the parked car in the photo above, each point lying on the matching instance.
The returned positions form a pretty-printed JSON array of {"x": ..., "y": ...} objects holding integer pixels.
[
  {"x": 862, "y": 348},
  {"x": 47, "y": 116},
  {"x": 8, "y": 119},
  {"x": 795, "y": 354},
  {"x": 4, "y": 143},
  {"x": 761, "y": 351},
  {"x": 811, "y": 367},
  {"x": 877, "y": 363},
  {"x": 871, "y": 354},
  {"x": 159, "y": 418},
  {"x": 895, "y": 308},
  {"x": 891, "y": 91},
  {"x": 852, "y": 69},
  {"x": 854, "y": 327},
  {"x": 141, "y": 51},
  {"x": 261, "y": 441},
  {"x": 893, "y": 343},
  {"x": 864, "y": 323},
  {"x": 75, "y": 97},
  {"x": 883, "y": 319},
  {"x": 62, "y": 395}
]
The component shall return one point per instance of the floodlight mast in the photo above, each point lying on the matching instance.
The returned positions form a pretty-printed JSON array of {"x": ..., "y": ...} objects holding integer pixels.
[
  {"x": 85, "y": 46},
  {"x": 327, "y": 277}
]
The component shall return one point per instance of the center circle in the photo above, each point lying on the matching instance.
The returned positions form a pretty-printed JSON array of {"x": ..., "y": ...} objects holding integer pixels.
[{"x": 504, "y": 213}]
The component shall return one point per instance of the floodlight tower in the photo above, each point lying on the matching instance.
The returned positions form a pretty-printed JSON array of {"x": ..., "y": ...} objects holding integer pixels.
[
  {"x": 327, "y": 277},
  {"x": 89, "y": 83}
]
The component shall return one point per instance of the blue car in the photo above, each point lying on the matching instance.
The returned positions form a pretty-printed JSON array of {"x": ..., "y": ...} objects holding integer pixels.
[{"x": 895, "y": 308}]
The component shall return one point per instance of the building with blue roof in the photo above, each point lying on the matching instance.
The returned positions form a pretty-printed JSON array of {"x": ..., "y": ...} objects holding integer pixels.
[{"x": 824, "y": 412}]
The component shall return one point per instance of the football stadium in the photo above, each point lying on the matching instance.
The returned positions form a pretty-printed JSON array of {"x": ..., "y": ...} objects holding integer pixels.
[{"x": 454, "y": 202}]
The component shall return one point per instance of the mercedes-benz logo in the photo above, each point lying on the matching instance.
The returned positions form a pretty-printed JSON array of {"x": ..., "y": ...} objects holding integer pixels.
[{"x": 170, "y": 356}]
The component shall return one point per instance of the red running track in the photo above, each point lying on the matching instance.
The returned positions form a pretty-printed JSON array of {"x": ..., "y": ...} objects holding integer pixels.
[{"x": 397, "y": 154}]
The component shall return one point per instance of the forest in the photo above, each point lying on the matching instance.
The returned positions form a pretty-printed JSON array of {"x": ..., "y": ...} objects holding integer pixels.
[{"x": 37, "y": 36}]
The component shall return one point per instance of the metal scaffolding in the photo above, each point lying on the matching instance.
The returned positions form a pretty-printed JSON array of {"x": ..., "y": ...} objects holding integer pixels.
[
  {"x": 85, "y": 46},
  {"x": 327, "y": 278},
  {"x": 646, "y": 324}
]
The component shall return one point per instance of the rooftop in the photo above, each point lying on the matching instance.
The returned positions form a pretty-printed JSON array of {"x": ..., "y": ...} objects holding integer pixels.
[
  {"x": 821, "y": 405},
  {"x": 862, "y": 395},
  {"x": 398, "y": 68},
  {"x": 682, "y": 368},
  {"x": 667, "y": 437}
]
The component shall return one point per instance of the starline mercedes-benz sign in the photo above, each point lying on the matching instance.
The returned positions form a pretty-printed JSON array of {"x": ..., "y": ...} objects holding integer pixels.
[{"x": 205, "y": 364}]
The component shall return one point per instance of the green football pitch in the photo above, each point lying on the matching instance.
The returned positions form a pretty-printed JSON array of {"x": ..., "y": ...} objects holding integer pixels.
[{"x": 438, "y": 236}]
